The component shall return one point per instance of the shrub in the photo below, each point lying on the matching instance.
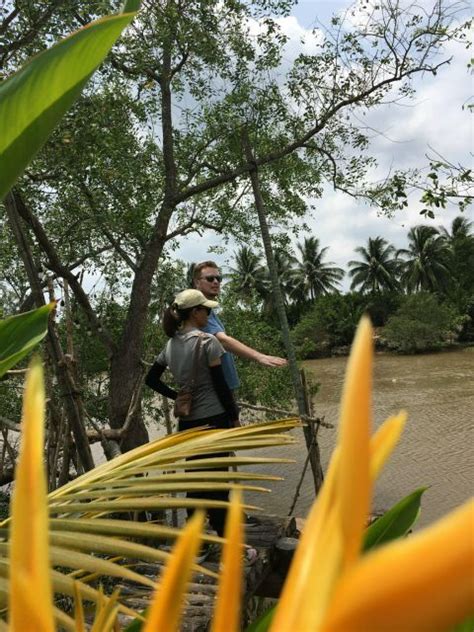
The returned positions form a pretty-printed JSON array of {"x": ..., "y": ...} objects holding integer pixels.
[
  {"x": 330, "y": 323},
  {"x": 381, "y": 305},
  {"x": 421, "y": 323}
]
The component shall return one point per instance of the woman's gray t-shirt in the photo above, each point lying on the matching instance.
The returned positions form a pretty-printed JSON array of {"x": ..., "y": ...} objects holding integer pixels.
[{"x": 178, "y": 356}]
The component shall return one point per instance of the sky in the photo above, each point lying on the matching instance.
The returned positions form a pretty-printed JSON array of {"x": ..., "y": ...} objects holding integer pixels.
[{"x": 402, "y": 136}]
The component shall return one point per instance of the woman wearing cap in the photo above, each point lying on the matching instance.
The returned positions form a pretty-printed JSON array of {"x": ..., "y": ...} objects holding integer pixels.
[{"x": 212, "y": 401}]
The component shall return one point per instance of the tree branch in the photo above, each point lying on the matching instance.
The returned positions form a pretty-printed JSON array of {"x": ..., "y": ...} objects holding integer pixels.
[
  {"x": 30, "y": 35},
  {"x": 61, "y": 270},
  {"x": 298, "y": 143},
  {"x": 114, "y": 242}
]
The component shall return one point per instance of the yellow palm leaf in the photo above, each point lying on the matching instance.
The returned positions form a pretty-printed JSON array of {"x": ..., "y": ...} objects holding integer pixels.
[
  {"x": 167, "y": 605},
  {"x": 353, "y": 479},
  {"x": 229, "y": 596},
  {"x": 29, "y": 557}
]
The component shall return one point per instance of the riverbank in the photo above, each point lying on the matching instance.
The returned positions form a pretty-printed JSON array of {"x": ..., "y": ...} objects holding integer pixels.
[{"x": 382, "y": 349}]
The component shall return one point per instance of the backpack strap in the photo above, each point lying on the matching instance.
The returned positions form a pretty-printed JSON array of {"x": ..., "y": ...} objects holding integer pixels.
[{"x": 197, "y": 351}]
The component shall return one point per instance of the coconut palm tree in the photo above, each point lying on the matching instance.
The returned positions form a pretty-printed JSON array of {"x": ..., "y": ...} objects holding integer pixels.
[
  {"x": 426, "y": 263},
  {"x": 284, "y": 262},
  {"x": 379, "y": 268},
  {"x": 248, "y": 275},
  {"x": 461, "y": 228},
  {"x": 460, "y": 245},
  {"x": 312, "y": 276}
]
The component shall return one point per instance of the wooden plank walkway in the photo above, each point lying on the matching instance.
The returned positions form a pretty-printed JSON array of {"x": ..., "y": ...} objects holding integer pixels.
[{"x": 272, "y": 536}]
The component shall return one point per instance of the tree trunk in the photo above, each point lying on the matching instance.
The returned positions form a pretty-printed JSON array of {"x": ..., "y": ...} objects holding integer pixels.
[
  {"x": 67, "y": 385},
  {"x": 310, "y": 439},
  {"x": 126, "y": 366}
]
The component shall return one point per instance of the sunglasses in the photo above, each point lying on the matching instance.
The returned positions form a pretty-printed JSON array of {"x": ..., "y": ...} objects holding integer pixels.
[
  {"x": 208, "y": 309},
  {"x": 212, "y": 277}
]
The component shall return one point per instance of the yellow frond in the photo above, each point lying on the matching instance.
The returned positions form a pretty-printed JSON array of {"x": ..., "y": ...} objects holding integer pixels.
[
  {"x": 78, "y": 610},
  {"x": 167, "y": 605},
  {"x": 29, "y": 556},
  {"x": 354, "y": 485},
  {"x": 229, "y": 596},
  {"x": 384, "y": 441}
]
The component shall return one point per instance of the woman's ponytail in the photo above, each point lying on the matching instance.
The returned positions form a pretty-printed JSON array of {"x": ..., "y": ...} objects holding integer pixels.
[{"x": 173, "y": 318}]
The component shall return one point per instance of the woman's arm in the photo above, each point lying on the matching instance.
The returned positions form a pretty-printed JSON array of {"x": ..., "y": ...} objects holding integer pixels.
[{"x": 153, "y": 381}]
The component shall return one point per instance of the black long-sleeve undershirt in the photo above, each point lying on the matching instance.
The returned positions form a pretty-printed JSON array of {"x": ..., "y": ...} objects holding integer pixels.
[
  {"x": 221, "y": 388},
  {"x": 223, "y": 392},
  {"x": 153, "y": 381}
]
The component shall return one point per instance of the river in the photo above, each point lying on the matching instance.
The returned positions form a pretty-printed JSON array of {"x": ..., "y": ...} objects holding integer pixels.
[{"x": 436, "y": 449}]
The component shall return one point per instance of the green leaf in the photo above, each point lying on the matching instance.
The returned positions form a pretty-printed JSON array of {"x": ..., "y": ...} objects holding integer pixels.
[
  {"x": 396, "y": 522},
  {"x": 263, "y": 622},
  {"x": 137, "y": 624},
  {"x": 131, "y": 6},
  {"x": 34, "y": 99},
  {"x": 465, "y": 626},
  {"x": 20, "y": 334}
]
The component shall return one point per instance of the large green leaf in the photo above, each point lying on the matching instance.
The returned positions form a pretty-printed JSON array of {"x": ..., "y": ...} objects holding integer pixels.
[
  {"x": 262, "y": 623},
  {"x": 396, "y": 522},
  {"x": 465, "y": 626},
  {"x": 19, "y": 334},
  {"x": 34, "y": 99}
]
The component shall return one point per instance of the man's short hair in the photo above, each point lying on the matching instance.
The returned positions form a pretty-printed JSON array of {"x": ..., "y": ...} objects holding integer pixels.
[{"x": 198, "y": 267}]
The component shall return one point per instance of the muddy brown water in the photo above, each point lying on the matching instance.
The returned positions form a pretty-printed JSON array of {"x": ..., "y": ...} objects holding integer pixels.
[{"x": 436, "y": 449}]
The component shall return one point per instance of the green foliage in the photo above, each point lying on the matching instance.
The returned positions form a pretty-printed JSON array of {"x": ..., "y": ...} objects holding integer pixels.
[
  {"x": 330, "y": 323},
  {"x": 311, "y": 276},
  {"x": 4, "y": 505},
  {"x": 421, "y": 324},
  {"x": 381, "y": 305},
  {"x": 396, "y": 522},
  {"x": 446, "y": 182},
  {"x": 460, "y": 291},
  {"x": 259, "y": 385},
  {"x": 35, "y": 99},
  {"x": 20, "y": 334}
]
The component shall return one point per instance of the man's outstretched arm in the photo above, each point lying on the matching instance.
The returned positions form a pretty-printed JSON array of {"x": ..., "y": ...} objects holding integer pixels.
[{"x": 244, "y": 351}]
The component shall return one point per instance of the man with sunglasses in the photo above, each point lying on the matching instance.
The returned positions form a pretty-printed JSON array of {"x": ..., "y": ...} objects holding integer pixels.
[{"x": 207, "y": 278}]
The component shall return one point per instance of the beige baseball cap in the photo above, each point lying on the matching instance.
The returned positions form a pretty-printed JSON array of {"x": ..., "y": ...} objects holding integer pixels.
[{"x": 192, "y": 298}]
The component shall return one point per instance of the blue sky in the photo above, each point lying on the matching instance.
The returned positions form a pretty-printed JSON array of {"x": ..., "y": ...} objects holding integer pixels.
[{"x": 402, "y": 136}]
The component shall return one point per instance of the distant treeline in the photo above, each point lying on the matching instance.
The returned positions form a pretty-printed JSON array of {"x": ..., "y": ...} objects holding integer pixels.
[{"x": 420, "y": 298}]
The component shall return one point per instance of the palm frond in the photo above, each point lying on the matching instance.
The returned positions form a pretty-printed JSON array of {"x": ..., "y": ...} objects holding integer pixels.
[{"x": 88, "y": 535}]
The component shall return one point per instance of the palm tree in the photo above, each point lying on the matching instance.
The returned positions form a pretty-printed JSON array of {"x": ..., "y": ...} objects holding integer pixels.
[
  {"x": 311, "y": 276},
  {"x": 426, "y": 264},
  {"x": 460, "y": 245},
  {"x": 461, "y": 228},
  {"x": 284, "y": 262},
  {"x": 248, "y": 275},
  {"x": 379, "y": 268}
]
